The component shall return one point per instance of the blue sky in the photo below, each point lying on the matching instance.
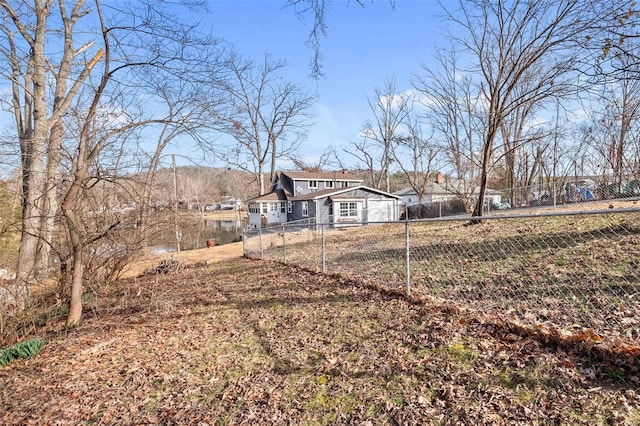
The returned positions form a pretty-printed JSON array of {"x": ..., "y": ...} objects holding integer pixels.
[{"x": 364, "y": 46}]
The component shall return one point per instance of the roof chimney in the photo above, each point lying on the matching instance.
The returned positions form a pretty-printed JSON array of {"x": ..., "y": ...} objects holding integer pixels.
[{"x": 439, "y": 178}]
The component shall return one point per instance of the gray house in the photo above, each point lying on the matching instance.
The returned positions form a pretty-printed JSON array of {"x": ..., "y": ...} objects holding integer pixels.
[{"x": 338, "y": 198}]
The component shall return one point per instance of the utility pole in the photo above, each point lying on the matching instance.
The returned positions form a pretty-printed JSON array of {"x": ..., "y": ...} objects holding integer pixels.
[{"x": 175, "y": 205}]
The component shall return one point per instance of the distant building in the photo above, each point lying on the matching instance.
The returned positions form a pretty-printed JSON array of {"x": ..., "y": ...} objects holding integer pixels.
[
  {"x": 337, "y": 198},
  {"x": 442, "y": 189},
  {"x": 230, "y": 203}
]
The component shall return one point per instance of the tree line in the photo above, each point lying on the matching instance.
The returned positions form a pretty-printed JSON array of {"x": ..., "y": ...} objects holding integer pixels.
[{"x": 527, "y": 93}]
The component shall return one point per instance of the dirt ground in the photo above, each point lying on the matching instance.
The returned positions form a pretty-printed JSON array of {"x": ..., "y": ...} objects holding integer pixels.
[
  {"x": 571, "y": 207},
  {"x": 190, "y": 257}
]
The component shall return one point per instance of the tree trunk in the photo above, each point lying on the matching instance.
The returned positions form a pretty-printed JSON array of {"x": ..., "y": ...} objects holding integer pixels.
[
  {"x": 486, "y": 159},
  {"x": 34, "y": 146},
  {"x": 75, "y": 227},
  {"x": 478, "y": 210},
  {"x": 49, "y": 201},
  {"x": 387, "y": 182},
  {"x": 75, "y": 307},
  {"x": 274, "y": 158},
  {"x": 260, "y": 179},
  {"x": 27, "y": 255}
]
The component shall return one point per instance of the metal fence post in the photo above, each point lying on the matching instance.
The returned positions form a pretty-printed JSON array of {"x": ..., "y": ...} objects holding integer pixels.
[
  {"x": 407, "y": 257},
  {"x": 324, "y": 253},
  {"x": 244, "y": 246},
  {"x": 284, "y": 246},
  {"x": 261, "y": 253}
]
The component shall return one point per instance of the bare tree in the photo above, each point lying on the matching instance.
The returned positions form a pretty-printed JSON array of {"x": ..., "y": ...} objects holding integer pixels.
[
  {"x": 265, "y": 115},
  {"x": 317, "y": 166},
  {"x": 611, "y": 45},
  {"x": 189, "y": 105},
  {"x": 390, "y": 110},
  {"x": 450, "y": 97},
  {"x": 523, "y": 145},
  {"x": 417, "y": 156},
  {"x": 197, "y": 187},
  {"x": 89, "y": 93},
  {"x": 510, "y": 39},
  {"x": 236, "y": 184},
  {"x": 611, "y": 136},
  {"x": 24, "y": 31}
]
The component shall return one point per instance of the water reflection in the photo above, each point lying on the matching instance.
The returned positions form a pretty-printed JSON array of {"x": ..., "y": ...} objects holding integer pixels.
[{"x": 196, "y": 233}]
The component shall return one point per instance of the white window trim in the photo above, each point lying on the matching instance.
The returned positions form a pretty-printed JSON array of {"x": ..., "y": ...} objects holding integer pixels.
[
  {"x": 348, "y": 209},
  {"x": 305, "y": 208}
]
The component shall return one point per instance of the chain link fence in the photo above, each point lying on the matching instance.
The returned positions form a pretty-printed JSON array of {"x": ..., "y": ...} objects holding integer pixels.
[
  {"x": 574, "y": 276},
  {"x": 570, "y": 190}
]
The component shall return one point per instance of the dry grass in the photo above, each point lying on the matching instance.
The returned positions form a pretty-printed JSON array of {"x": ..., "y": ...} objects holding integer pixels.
[
  {"x": 575, "y": 277},
  {"x": 249, "y": 342}
]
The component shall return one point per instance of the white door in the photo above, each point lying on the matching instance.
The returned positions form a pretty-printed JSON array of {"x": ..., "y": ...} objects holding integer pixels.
[
  {"x": 381, "y": 210},
  {"x": 273, "y": 212}
]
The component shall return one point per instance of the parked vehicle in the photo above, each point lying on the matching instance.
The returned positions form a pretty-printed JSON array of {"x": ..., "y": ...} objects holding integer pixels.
[
  {"x": 579, "y": 190},
  {"x": 541, "y": 198}
]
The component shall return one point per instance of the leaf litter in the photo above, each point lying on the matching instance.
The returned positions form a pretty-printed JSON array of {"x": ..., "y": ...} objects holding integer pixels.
[{"x": 251, "y": 342}]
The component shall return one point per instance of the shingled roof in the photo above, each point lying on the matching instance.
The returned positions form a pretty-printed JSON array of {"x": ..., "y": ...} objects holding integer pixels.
[{"x": 339, "y": 175}]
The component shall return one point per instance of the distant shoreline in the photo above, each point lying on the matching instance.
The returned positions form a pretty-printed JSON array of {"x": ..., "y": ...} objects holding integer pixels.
[{"x": 215, "y": 215}]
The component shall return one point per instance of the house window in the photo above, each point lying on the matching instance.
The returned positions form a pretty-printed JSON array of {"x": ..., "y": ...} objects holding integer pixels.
[
  {"x": 349, "y": 209},
  {"x": 305, "y": 208},
  {"x": 344, "y": 184},
  {"x": 289, "y": 206},
  {"x": 313, "y": 184},
  {"x": 265, "y": 207},
  {"x": 328, "y": 183},
  {"x": 283, "y": 207},
  {"x": 273, "y": 207}
]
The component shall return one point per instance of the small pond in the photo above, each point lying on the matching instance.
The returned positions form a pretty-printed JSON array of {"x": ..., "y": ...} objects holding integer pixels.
[{"x": 196, "y": 233}]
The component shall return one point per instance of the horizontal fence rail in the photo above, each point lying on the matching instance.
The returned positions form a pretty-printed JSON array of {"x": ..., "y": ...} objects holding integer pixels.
[
  {"x": 574, "y": 274},
  {"x": 564, "y": 195}
]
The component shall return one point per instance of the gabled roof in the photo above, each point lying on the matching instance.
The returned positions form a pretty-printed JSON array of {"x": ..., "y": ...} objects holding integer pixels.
[
  {"x": 339, "y": 175},
  {"x": 439, "y": 188},
  {"x": 430, "y": 189},
  {"x": 338, "y": 191},
  {"x": 278, "y": 195},
  {"x": 286, "y": 185},
  {"x": 406, "y": 191}
]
